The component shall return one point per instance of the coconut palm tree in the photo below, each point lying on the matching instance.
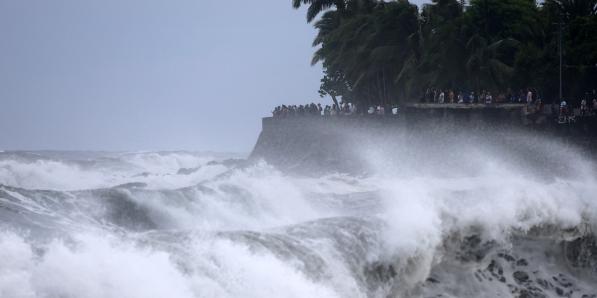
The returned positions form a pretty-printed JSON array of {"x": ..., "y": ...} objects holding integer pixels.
[
  {"x": 575, "y": 8},
  {"x": 377, "y": 52},
  {"x": 484, "y": 63},
  {"x": 318, "y": 6}
]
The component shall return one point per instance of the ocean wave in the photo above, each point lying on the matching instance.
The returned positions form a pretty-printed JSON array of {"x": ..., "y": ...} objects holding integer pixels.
[
  {"x": 506, "y": 223},
  {"x": 157, "y": 170}
]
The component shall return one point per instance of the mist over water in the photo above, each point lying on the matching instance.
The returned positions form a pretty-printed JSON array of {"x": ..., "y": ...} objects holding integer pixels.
[{"x": 441, "y": 213}]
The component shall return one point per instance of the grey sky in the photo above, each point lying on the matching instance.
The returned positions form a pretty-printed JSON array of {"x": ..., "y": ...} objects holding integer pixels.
[{"x": 149, "y": 74}]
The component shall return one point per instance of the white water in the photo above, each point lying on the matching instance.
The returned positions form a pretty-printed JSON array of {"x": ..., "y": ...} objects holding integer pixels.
[
  {"x": 158, "y": 170},
  {"x": 225, "y": 231}
]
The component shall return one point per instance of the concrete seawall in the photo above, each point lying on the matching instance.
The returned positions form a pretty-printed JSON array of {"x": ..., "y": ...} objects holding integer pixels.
[{"x": 305, "y": 143}]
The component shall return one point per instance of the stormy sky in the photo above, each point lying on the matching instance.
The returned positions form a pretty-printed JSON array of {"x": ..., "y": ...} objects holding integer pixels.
[{"x": 149, "y": 74}]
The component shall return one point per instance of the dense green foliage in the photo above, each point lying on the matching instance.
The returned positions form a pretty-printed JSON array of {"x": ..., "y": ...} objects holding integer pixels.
[{"x": 382, "y": 52}]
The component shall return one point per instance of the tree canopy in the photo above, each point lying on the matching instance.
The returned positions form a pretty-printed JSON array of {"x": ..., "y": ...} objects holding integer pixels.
[{"x": 386, "y": 52}]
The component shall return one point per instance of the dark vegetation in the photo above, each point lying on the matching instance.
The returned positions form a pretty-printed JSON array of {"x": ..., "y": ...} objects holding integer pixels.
[{"x": 386, "y": 52}]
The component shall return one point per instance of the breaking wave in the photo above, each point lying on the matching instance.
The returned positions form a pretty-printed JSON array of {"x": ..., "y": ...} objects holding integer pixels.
[{"x": 490, "y": 221}]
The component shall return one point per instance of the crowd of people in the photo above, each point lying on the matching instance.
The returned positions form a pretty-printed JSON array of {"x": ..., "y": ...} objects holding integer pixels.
[
  {"x": 433, "y": 95},
  {"x": 342, "y": 109},
  {"x": 584, "y": 107},
  {"x": 534, "y": 104},
  {"x": 587, "y": 108}
]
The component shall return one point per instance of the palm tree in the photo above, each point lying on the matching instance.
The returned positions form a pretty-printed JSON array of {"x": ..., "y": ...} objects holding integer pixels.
[
  {"x": 442, "y": 44},
  {"x": 575, "y": 8},
  {"x": 318, "y": 6},
  {"x": 365, "y": 46},
  {"x": 484, "y": 63},
  {"x": 378, "y": 51}
]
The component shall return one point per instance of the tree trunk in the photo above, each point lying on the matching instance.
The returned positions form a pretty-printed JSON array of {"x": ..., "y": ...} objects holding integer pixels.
[{"x": 335, "y": 101}]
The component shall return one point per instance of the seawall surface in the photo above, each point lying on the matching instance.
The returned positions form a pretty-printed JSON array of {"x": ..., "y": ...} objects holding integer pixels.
[{"x": 340, "y": 143}]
